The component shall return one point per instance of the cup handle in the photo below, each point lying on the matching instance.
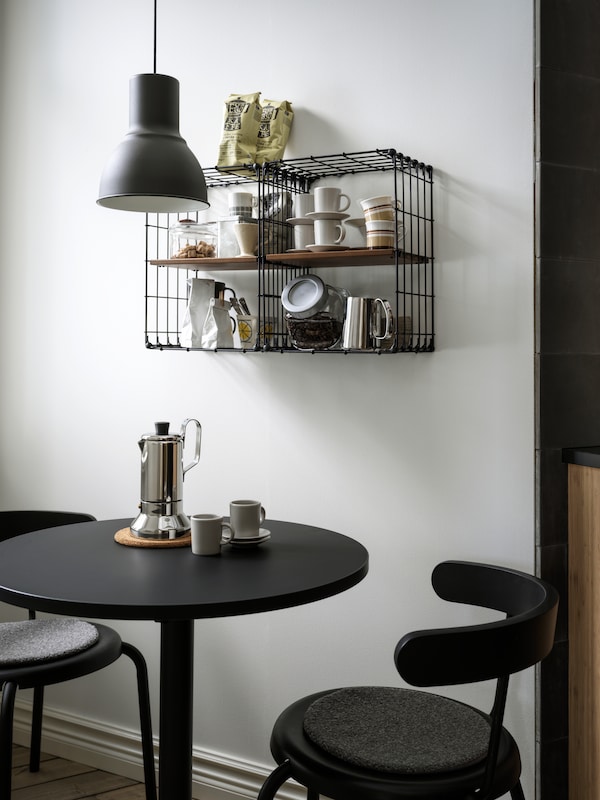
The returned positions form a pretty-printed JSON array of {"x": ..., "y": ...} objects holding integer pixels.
[
  {"x": 389, "y": 319},
  {"x": 401, "y": 233},
  {"x": 263, "y": 515},
  {"x": 226, "y": 539},
  {"x": 342, "y": 231},
  {"x": 348, "y": 201}
]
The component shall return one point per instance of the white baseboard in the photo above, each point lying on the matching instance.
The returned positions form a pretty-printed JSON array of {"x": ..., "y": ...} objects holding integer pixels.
[{"x": 214, "y": 775}]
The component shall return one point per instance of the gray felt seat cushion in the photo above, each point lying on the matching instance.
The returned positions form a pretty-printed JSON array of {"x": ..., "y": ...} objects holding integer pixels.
[
  {"x": 397, "y": 730},
  {"x": 41, "y": 640}
]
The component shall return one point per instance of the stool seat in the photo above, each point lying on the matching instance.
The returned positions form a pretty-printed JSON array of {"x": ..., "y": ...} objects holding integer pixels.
[
  {"x": 398, "y": 730},
  {"x": 40, "y": 652},
  {"x": 400, "y": 743},
  {"x": 40, "y": 640}
]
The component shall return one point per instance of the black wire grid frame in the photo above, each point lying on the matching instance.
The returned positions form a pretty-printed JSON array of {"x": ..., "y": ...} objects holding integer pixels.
[{"x": 167, "y": 285}]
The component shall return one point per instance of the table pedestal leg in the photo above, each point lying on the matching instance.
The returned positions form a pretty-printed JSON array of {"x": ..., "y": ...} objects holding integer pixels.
[{"x": 176, "y": 710}]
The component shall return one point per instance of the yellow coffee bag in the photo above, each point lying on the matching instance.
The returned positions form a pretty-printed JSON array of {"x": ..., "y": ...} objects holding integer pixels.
[
  {"x": 241, "y": 122},
  {"x": 273, "y": 133}
]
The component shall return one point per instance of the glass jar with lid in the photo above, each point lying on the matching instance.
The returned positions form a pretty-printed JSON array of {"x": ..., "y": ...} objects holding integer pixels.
[
  {"x": 314, "y": 312},
  {"x": 189, "y": 239}
]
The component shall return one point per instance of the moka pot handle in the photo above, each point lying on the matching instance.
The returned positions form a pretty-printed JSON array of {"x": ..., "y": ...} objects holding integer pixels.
[{"x": 196, "y": 458}]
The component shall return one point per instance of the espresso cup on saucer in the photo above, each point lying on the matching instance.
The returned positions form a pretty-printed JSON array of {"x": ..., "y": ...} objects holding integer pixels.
[
  {"x": 245, "y": 519},
  {"x": 207, "y": 534},
  {"x": 328, "y": 232},
  {"x": 330, "y": 199},
  {"x": 303, "y": 204},
  {"x": 303, "y": 236}
]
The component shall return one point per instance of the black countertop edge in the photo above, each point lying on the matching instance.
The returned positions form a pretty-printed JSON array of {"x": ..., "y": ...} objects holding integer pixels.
[{"x": 582, "y": 456}]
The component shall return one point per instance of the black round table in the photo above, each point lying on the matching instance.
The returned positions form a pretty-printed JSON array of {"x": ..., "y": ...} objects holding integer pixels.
[{"x": 79, "y": 570}]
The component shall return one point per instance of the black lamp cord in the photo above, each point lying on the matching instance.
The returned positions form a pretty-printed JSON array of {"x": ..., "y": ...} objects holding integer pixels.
[{"x": 155, "y": 2}]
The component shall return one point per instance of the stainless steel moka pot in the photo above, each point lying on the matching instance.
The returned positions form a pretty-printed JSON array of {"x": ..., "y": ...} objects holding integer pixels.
[{"x": 161, "y": 508}]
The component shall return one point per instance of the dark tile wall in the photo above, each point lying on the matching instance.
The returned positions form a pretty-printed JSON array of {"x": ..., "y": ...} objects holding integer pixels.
[{"x": 567, "y": 300}]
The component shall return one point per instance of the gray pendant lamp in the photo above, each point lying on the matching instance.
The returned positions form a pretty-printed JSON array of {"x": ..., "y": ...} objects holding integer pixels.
[{"x": 153, "y": 170}]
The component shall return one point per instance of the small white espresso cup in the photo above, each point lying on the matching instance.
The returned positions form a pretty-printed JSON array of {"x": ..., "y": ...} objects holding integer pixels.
[
  {"x": 245, "y": 518},
  {"x": 303, "y": 236},
  {"x": 330, "y": 198},
  {"x": 303, "y": 204},
  {"x": 207, "y": 534},
  {"x": 328, "y": 232}
]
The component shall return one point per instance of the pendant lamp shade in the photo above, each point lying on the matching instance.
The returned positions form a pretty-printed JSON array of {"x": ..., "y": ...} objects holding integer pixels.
[{"x": 153, "y": 170}]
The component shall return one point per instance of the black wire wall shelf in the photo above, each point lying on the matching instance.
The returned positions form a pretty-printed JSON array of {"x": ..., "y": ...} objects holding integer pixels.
[{"x": 408, "y": 272}]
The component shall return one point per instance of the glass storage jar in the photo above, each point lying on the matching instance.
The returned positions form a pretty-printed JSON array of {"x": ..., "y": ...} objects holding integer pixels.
[
  {"x": 189, "y": 239},
  {"x": 314, "y": 312}
]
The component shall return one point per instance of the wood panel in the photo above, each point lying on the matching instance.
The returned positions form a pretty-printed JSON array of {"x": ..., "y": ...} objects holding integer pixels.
[
  {"x": 352, "y": 257},
  {"x": 61, "y": 779},
  {"x": 584, "y": 633}
]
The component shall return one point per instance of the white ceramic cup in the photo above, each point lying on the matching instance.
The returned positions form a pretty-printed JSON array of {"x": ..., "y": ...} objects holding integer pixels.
[
  {"x": 382, "y": 227},
  {"x": 207, "y": 534},
  {"x": 303, "y": 236},
  {"x": 379, "y": 213},
  {"x": 240, "y": 203},
  {"x": 379, "y": 200},
  {"x": 380, "y": 239},
  {"x": 246, "y": 234},
  {"x": 328, "y": 232},
  {"x": 379, "y": 208},
  {"x": 330, "y": 198},
  {"x": 303, "y": 204},
  {"x": 377, "y": 239},
  {"x": 247, "y": 325},
  {"x": 245, "y": 518}
]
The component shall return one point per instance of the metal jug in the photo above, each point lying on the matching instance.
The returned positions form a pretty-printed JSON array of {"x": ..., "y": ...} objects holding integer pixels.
[
  {"x": 368, "y": 324},
  {"x": 161, "y": 508}
]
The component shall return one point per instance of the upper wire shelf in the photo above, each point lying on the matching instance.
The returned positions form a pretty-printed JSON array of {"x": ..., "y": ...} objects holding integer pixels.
[{"x": 307, "y": 169}]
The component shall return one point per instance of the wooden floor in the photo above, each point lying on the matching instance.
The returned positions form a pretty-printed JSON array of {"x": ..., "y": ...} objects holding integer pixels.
[{"x": 59, "y": 779}]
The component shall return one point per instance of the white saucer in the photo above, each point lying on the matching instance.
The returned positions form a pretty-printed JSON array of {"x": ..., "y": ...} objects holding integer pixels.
[
  {"x": 299, "y": 221},
  {"x": 356, "y": 222},
  {"x": 323, "y": 248},
  {"x": 254, "y": 541},
  {"x": 327, "y": 215}
]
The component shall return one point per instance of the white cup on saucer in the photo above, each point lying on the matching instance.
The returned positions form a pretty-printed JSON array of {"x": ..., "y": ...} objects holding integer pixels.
[
  {"x": 245, "y": 519},
  {"x": 328, "y": 231},
  {"x": 303, "y": 236},
  {"x": 303, "y": 204},
  {"x": 330, "y": 199}
]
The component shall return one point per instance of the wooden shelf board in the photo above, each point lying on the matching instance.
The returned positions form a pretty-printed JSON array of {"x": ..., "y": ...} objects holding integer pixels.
[
  {"x": 241, "y": 262},
  {"x": 335, "y": 258}
]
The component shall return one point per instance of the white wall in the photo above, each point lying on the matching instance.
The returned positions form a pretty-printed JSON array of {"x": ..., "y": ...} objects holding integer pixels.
[{"x": 425, "y": 457}]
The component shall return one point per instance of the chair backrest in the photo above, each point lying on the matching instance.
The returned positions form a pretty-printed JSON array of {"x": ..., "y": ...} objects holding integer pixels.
[
  {"x": 447, "y": 656},
  {"x": 14, "y": 523}
]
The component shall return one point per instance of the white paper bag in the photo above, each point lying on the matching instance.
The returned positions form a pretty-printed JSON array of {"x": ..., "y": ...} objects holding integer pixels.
[
  {"x": 202, "y": 291},
  {"x": 218, "y": 326}
]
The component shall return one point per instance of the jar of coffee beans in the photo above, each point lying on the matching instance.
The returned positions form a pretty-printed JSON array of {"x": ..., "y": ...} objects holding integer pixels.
[{"x": 314, "y": 312}]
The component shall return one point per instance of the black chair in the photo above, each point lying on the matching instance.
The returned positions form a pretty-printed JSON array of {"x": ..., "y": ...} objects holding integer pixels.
[
  {"x": 384, "y": 743},
  {"x": 35, "y": 653}
]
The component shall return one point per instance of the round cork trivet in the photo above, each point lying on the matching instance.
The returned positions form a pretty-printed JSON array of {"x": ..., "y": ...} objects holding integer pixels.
[{"x": 126, "y": 537}]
